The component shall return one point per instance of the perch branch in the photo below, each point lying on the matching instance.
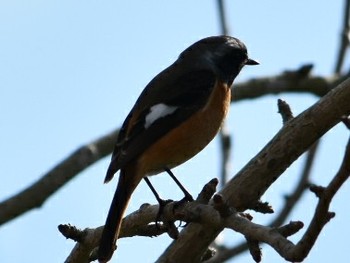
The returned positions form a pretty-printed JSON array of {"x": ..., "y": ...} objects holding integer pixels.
[{"x": 246, "y": 188}]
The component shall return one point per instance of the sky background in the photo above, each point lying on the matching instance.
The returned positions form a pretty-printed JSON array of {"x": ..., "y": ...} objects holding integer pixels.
[{"x": 71, "y": 70}]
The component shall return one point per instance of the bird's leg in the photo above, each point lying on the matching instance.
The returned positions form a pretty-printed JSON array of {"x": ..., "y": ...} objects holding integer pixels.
[
  {"x": 188, "y": 197},
  {"x": 162, "y": 203}
]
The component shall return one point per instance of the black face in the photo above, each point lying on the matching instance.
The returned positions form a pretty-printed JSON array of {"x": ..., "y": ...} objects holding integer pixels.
[
  {"x": 229, "y": 61},
  {"x": 224, "y": 54}
]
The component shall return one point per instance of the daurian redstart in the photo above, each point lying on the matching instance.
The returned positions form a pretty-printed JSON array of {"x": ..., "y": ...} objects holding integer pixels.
[{"x": 178, "y": 113}]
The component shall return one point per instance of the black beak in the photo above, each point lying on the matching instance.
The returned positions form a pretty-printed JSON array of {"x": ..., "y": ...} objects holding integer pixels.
[{"x": 251, "y": 62}]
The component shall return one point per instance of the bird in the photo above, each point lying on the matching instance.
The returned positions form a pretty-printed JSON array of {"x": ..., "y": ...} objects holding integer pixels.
[{"x": 175, "y": 117}]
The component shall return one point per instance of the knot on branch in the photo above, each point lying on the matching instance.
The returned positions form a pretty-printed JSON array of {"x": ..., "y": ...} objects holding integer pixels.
[
  {"x": 291, "y": 228},
  {"x": 254, "y": 249},
  {"x": 262, "y": 207},
  {"x": 301, "y": 73},
  {"x": 222, "y": 207},
  {"x": 317, "y": 190},
  {"x": 284, "y": 110},
  {"x": 71, "y": 232}
]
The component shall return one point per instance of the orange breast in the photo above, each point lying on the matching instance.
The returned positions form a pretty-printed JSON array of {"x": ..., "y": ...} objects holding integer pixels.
[{"x": 184, "y": 142}]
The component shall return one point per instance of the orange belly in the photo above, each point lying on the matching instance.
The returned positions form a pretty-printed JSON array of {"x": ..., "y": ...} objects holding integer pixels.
[{"x": 184, "y": 142}]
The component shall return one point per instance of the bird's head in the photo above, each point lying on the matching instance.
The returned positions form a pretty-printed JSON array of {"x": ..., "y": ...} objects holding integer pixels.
[{"x": 224, "y": 54}]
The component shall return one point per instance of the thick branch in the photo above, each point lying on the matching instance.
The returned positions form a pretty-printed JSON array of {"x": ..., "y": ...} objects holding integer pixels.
[
  {"x": 225, "y": 253},
  {"x": 246, "y": 188},
  {"x": 294, "y": 139}
]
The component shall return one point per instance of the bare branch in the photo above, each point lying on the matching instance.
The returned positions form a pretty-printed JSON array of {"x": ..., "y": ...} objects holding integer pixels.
[
  {"x": 254, "y": 179},
  {"x": 284, "y": 110},
  {"x": 219, "y": 216},
  {"x": 263, "y": 207},
  {"x": 292, "y": 199},
  {"x": 292, "y": 140},
  {"x": 285, "y": 82},
  {"x": 36, "y": 194},
  {"x": 254, "y": 249},
  {"x": 224, "y": 253},
  {"x": 322, "y": 215},
  {"x": 344, "y": 41},
  {"x": 226, "y": 146},
  {"x": 71, "y": 232},
  {"x": 222, "y": 16},
  {"x": 139, "y": 222}
]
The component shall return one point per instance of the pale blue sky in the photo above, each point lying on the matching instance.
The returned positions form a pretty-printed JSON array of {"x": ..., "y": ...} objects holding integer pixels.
[{"x": 71, "y": 70}]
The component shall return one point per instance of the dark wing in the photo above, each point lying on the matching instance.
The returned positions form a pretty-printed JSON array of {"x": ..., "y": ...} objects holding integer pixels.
[{"x": 188, "y": 93}]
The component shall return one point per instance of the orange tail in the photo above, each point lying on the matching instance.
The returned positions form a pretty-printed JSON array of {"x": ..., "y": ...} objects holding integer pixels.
[{"x": 128, "y": 180}]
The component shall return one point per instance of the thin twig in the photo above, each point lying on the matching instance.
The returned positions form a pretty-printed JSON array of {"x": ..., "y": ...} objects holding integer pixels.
[
  {"x": 344, "y": 39},
  {"x": 302, "y": 185},
  {"x": 224, "y": 253},
  {"x": 225, "y": 137},
  {"x": 322, "y": 214},
  {"x": 284, "y": 110},
  {"x": 223, "y": 23},
  {"x": 226, "y": 146}
]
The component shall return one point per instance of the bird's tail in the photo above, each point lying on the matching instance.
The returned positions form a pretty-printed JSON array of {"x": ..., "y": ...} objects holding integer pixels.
[{"x": 128, "y": 180}]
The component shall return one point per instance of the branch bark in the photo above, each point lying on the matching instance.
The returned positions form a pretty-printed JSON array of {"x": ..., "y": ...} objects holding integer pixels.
[
  {"x": 246, "y": 188},
  {"x": 224, "y": 253}
]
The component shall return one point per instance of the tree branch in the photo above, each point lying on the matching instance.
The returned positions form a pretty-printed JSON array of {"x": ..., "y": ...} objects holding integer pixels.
[
  {"x": 251, "y": 182},
  {"x": 276, "y": 237},
  {"x": 246, "y": 188},
  {"x": 295, "y": 81},
  {"x": 302, "y": 185},
  {"x": 36, "y": 194},
  {"x": 224, "y": 253},
  {"x": 344, "y": 40},
  {"x": 322, "y": 215},
  {"x": 138, "y": 223}
]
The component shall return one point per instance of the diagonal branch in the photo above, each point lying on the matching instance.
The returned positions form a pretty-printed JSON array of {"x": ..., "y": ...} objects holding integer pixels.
[
  {"x": 36, "y": 194},
  {"x": 322, "y": 214},
  {"x": 224, "y": 253},
  {"x": 302, "y": 185},
  {"x": 310, "y": 125},
  {"x": 246, "y": 188}
]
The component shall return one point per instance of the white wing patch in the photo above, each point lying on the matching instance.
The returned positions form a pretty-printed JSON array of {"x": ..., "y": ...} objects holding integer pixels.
[{"x": 158, "y": 111}]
